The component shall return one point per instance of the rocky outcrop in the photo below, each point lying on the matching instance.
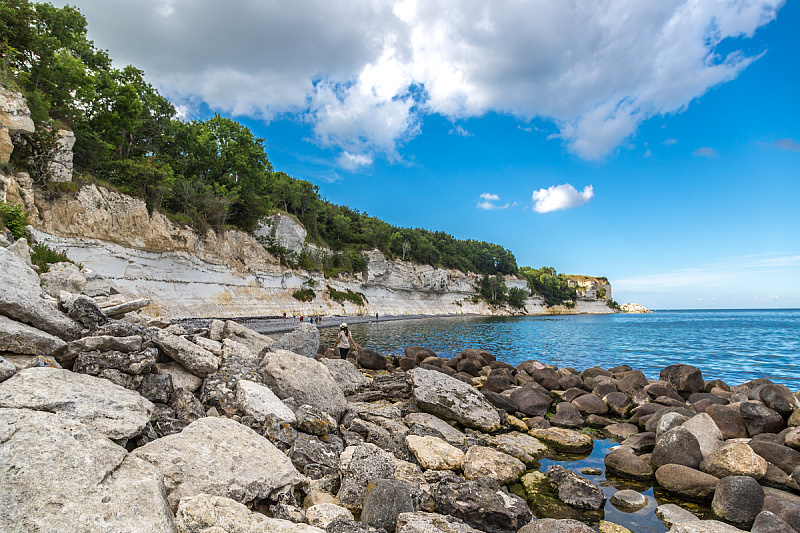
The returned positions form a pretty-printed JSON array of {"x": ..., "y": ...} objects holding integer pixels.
[
  {"x": 15, "y": 118},
  {"x": 633, "y": 308}
]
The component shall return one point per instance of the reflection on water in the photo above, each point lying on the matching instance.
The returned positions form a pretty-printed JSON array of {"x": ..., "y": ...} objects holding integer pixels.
[{"x": 735, "y": 346}]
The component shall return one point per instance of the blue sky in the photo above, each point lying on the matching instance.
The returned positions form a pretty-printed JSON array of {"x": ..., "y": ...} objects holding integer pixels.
[{"x": 657, "y": 144}]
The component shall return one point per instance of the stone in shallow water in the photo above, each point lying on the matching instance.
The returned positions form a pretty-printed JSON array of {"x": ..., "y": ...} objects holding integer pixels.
[
  {"x": 628, "y": 501},
  {"x": 564, "y": 440},
  {"x": 687, "y": 482},
  {"x": 552, "y": 525},
  {"x": 481, "y": 461},
  {"x": 574, "y": 489},
  {"x": 671, "y": 514},
  {"x": 482, "y": 503}
]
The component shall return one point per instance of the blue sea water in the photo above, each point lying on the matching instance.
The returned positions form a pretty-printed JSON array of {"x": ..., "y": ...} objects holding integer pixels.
[{"x": 732, "y": 345}]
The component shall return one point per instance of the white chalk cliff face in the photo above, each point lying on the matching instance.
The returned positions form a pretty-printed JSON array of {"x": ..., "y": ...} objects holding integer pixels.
[{"x": 15, "y": 118}]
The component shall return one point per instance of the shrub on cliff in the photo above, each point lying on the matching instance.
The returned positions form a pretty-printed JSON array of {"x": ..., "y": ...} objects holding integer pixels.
[
  {"x": 304, "y": 295},
  {"x": 13, "y": 218}
]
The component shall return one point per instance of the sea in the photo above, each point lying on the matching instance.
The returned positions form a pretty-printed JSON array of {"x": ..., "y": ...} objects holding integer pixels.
[{"x": 732, "y": 345}]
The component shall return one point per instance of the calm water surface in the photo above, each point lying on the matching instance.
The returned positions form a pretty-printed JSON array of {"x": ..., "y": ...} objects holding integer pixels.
[{"x": 732, "y": 345}]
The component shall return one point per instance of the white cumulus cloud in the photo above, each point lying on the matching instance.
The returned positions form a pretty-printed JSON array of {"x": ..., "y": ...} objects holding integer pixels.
[
  {"x": 488, "y": 200},
  {"x": 349, "y": 161},
  {"x": 366, "y": 73},
  {"x": 560, "y": 197}
]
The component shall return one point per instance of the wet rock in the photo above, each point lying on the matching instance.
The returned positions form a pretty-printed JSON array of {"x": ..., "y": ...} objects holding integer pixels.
[
  {"x": 574, "y": 489},
  {"x": 629, "y": 465},
  {"x": 221, "y": 457},
  {"x": 110, "y": 409},
  {"x": 481, "y": 461},
  {"x": 570, "y": 381},
  {"x": 434, "y": 453},
  {"x": 728, "y": 420},
  {"x": 738, "y": 499},
  {"x": 419, "y": 352},
  {"x": 657, "y": 389},
  {"x": 564, "y": 440},
  {"x": 779, "y": 398},
  {"x": 677, "y": 446},
  {"x": 671, "y": 515},
  {"x": 306, "y": 380},
  {"x": 633, "y": 382},
  {"x": 734, "y": 459},
  {"x": 687, "y": 482},
  {"x": 442, "y": 395},
  {"x": 88, "y": 483},
  {"x": 481, "y": 503},
  {"x": 619, "y": 403},
  {"x": 547, "y": 378},
  {"x": 384, "y": 500},
  {"x": 628, "y": 501}
]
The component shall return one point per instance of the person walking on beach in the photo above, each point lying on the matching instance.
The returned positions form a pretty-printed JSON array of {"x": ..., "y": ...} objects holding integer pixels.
[
  {"x": 376, "y": 317},
  {"x": 343, "y": 341}
]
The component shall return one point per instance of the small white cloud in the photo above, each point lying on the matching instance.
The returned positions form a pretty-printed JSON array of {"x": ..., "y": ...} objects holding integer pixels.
[
  {"x": 670, "y": 141},
  {"x": 490, "y": 196},
  {"x": 352, "y": 162},
  {"x": 487, "y": 204},
  {"x": 705, "y": 151},
  {"x": 460, "y": 131},
  {"x": 560, "y": 197},
  {"x": 648, "y": 153},
  {"x": 787, "y": 144}
]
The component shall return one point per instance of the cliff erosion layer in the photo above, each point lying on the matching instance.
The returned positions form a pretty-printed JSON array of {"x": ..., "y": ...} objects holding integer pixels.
[{"x": 228, "y": 273}]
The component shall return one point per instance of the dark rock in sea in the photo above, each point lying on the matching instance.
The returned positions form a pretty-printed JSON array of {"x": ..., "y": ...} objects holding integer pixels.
[
  {"x": 767, "y": 522},
  {"x": 469, "y": 366},
  {"x": 662, "y": 388},
  {"x": 569, "y": 381},
  {"x": 547, "y": 378},
  {"x": 590, "y": 404},
  {"x": 482, "y": 503},
  {"x": 641, "y": 442},
  {"x": 687, "y": 482},
  {"x": 371, "y": 359},
  {"x": 496, "y": 384},
  {"x": 567, "y": 415},
  {"x": 619, "y": 403},
  {"x": 713, "y": 398},
  {"x": 572, "y": 393},
  {"x": 678, "y": 446},
  {"x": 574, "y": 489},
  {"x": 406, "y": 363},
  {"x": 419, "y": 352},
  {"x": 738, "y": 499},
  {"x": 759, "y": 418},
  {"x": 597, "y": 421},
  {"x": 603, "y": 389},
  {"x": 463, "y": 376},
  {"x": 531, "y": 401},
  {"x": 626, "y": 464},
  {"x": 780, "y": 399},
  {"x": 628, "y": 501},
  {"x": 686, "y": 378},
  {"x": 537, "y": 422},
  {"x": 633, "y": 382},
  {"x": 717, "y": 383},
  {"x": 500, "y": 401}
]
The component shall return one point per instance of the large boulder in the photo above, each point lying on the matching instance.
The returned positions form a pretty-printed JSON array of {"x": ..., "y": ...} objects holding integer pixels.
[
  {"x": 181, "y": 378},
  {"x": 302, "y": 340},
  {"x": 370, "y": 359},
  {"x": 62, "y": 277},
  {"x": 114, "y": 411},
  {"x": 61, "y": 475},
  {"x": 783, "y": 457},
  {"x": 705, "y": 430},
  {"x": 258, "y": 401},
  {"x": 574, "y": 489},
  {"x": 359, "y": 466},
  {"x": 627, "y": 464},
  {"x": 442, "y": 395},
  {"x": 687, "y": 482},
  {"x": 728, "y": 420},
  {"x": 531, "y": 401},
  {"x": 738, "y": 499},
  {"x": 384, "y": 500},
  {"x": 705, "y": 526},
  {"x": 780, "y": 399},
  {"x": 677, "y": 446},
  {"x": 564, "y": 440},
  {"x": 481, "y": 503},
  {"x": 306, "y": 380},
  {"x": 422, "y": 522},
  {"x": 19, "y": 338},
  {"x": 481, "y": 461},
  {"x": 219, "y": 456},
  {"x": 434, "y": 453},
  {"x": 195, "y": 359},
  {"x": 255, "y": 342},
  {"x": 346, "y": 375},
  {"x": 735, "y": 459},
  {"x": 435, "y": 426},
  {"x": 758, "y": 418},
  {"x": 686, "y": 378},
  {"x": 23, "y": 300}
]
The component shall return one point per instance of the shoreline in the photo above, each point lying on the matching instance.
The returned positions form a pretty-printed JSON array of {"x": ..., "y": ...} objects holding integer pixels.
[{"x": 275, "y": 324}]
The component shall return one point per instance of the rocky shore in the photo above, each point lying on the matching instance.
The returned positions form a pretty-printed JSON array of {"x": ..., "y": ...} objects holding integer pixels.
[{"x": 116, "y": 422}]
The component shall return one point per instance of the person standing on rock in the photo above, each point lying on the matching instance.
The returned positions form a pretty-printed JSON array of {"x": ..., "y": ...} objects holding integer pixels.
[{"x": 343, "y": 341}]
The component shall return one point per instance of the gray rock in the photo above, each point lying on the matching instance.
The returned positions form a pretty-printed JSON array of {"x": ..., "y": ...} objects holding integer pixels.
[
  {"x": 629, "y": 465},
  {"x": 306, "y": 380},
  {"x": 82, "y": 309},
  {"x": 735, "y": 459},
  {"x": 371, "y": 359},
  {"x": 422, "y": 522},
  {"x": 686, "y": 378},
  {"x": 384, "y": 500},
  {"x": 531, "y": 401},
  {"x": 482, "y": 461},
  {"x": 574, "y": 489},
  {"x": 738, "y": 499},
  {"x": 783, "y": 457},
  {"x": 705, "y": 526},
  {"x": 346, "y": 375},
  {"x": 315, "y": 421},
  {"x": 553, "y": 525},
  {"x": 110, "y": 409},
  {"x": 590, "y": 404},
  {"x": 116, "y": 311},
  {"x": 255, "y": 342},
  {"x": 156, "y": 387},
  {"x": 100, "y": 343},
  {"x": 628, "y": 501},
  {"x": 779, "y": 398},
  {"x": 442, "y": 428},
  {"x": 258, "y": 401},
  {"x": 705, "y": 430},
  {"x": 134, "y": 363},
  {"x": 366, "y": 463},
  {"x": 567, "y": 415},
  {"x": 442, "y": 395},
  {"x": 195, "y": 359},
  {"x": 221, "y": 457},
  {"x": 759, "y": 418},
  {"x": 310, "y": 450},
  {"x": 303, "y": 340},
  {"x": 97, "y": 285},
  {"x": 481, "y": 503},
  {"x": 729, "y": 421},
  {"x": 783, "y": 505},
  {"x": 678, "y": 446},
  {"x": 22, "y": 339},
  {"x": 641, "y": 442},
  {"x": 767, "y": 522},
  {"x": 7, "y": 369},
  {"x": 181, "y": 378},
  {"x": 60, "y": 475},
  {"x": 24, "y": 301},
  {"x": 669, "y": 421},
  {"x": 62, "y": 277},
  {"x": 687, "y": 482},
  {"x": 671, "y": 514},
  {"x": 322, "y": 514}
]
